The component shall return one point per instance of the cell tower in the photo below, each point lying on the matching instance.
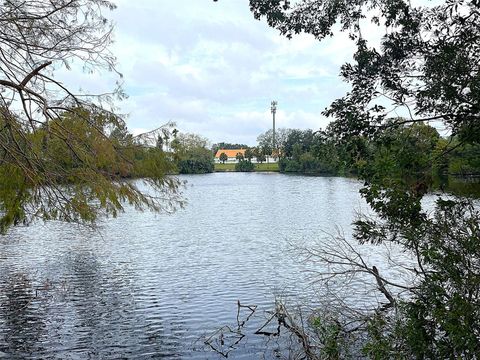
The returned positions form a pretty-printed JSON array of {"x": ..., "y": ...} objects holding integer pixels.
[{"x": 274, "y": 110}]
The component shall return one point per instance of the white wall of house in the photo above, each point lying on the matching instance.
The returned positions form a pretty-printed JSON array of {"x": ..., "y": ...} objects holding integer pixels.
[{"x": 232, "y": 160}]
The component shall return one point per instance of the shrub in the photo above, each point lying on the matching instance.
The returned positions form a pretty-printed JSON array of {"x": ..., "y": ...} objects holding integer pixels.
[{"x": 244, "y": 166}]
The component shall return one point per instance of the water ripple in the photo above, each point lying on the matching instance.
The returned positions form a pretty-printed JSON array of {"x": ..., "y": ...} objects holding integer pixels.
[{"x": 149, "y": 286}]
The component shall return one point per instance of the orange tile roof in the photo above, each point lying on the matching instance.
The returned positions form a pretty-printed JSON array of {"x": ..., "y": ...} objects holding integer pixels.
[{"x": 230, "y": 153}]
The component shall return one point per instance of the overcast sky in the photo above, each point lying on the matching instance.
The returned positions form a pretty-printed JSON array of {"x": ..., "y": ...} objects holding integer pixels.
[{"x": 213, "y": 69}]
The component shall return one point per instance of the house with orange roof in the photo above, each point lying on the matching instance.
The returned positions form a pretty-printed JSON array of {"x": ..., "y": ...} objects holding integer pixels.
[{"x": 231, "y": 154}]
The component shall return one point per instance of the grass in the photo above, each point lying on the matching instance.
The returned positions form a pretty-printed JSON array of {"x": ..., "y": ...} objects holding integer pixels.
[
  {"x": 266, "y": 167},
  {"x": 258, "y": 167},
  {"x": 224, "y": 167}
]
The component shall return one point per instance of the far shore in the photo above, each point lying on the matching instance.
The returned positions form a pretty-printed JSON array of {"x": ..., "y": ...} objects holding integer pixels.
[{"x": 272, "y": 167}]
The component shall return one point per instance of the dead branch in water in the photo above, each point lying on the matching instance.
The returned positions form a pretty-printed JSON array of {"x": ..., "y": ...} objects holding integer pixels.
[{"x": 224, "y": 340}]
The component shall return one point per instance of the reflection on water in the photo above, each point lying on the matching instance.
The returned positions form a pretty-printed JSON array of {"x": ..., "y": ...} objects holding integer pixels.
[
  {"x": 464, "y": 187},
  {"x": 20, "y": 323},
  {"x": 157, "y": 286}
]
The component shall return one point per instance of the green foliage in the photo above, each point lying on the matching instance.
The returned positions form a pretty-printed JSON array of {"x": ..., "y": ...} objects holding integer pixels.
[
  {"x": 450, "y": 294},
  {"x": 445, "y": 60},
  {"x": 73, "y": 171},
  {"x": 265, "y": 141},
  {"x": 414, "y": 156},
  {"x": 244, "y": 166},
  {"x": 266, "y": 150},
  {"x": 239, "y": 156},
  {"x": 62, "y": 156},
  {"x": 286, "y": 165},
  {"x": 464, "y": 161},
  {"x": 426, "y": 63},
  {"x": 223, "y": 157},
  {"x": 13, "y": 194},
  {"x": 311, "y": 153},
  {"x": 307, "y": 164},
  {"x": 196, "y": 163},
  {"x": 191, "y": 154},
  {"x": 403, "y": 156},
  {"x": 329, "y": 334},
  {"x": 385, "y": 339},
  {"x": 440, "y": 319},
  {"x": 260, "y": 158},
  {"x": 249, "y": 153}
]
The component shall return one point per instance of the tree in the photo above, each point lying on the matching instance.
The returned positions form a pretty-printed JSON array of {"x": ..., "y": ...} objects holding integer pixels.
[
  {"x": 311, "y": 152},
  {"x": 239, "y": 156},
  {"x": 261, "y": 158},
  {"x": 159, "y": 142},
  {"x": 223, "y": 157},
  {"x": 39, "y": 117},
  {"x": 189, "y": 141},
  {"x": 121, "y": 135},
  {"x": 303, "y": 138},
  {"x": 426, "y": 66},
  {"x": 249, "y": 154},
  {"x": 39, "y": 36},
  {"x": 196, "y": 162},
  {"x": 435, "y": 76},
  {"x": 191, "y": 154},
  {"x": 266, "y": 150},
  {"x": 265, "y": 140}
]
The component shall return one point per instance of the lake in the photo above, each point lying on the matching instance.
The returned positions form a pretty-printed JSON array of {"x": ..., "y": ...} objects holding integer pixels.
[{"x": 148, "y": 285}]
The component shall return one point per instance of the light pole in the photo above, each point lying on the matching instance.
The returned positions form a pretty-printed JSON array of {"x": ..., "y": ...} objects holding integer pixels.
[{"x": 274, "y": 110}]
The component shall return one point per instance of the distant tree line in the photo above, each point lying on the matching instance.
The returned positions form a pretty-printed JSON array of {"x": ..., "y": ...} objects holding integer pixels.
[{"x": 396, "y": 149}]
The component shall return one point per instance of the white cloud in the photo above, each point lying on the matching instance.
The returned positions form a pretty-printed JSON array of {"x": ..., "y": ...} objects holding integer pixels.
[{"x": 212, "y": 68}]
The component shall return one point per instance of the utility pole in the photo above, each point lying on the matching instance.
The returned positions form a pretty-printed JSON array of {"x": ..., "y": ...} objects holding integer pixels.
[{"x": 274, "y": 110}]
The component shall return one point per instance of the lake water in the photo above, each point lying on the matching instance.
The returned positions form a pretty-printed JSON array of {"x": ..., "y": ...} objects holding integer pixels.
[{"x": 159, "y": 286}]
